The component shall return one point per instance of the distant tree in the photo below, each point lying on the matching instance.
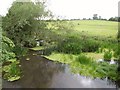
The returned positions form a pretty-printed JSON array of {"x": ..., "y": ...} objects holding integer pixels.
[
  {"x": 95, "y": 17},
  {"x": 100, "y": 18},
  {"x": 84, "y": 18},
  {"x": 89, "y": 19},
  {"x": 104, "y": 19},
  {"x": 113, "y": 19},
  {"x": 118, "y": 19},
  {"x": 21, "y": 22}
]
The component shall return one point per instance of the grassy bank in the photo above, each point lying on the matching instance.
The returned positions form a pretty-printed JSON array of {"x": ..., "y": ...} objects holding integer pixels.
[{"x": 85, "y": 65}]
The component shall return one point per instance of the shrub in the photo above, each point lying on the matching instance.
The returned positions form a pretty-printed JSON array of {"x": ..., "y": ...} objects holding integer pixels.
[
  {"x": 90, "y": 45},
  {"x": 70, "y": 45},
  {"x": 20, "y": 51},
  {"x": 75, "y": 45}
]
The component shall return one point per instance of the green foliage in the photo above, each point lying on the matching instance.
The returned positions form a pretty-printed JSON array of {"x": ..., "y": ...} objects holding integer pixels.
[
  {"x": 106, "y": 70},
  {"x": 7, "y": 47},
  {"x": 113, "y": 19},
  {"x": 21, "y": 24},
  {"x": 76, "y": 45},
  {"x": 86, "y": 66},
  {"x": 70, "y": 45},
  {"x": 7, "y": 43},
  {"x": 116, "y": 55},
  {"x": 82, "y": 59},
  {"x": 90, "y": 45},
  {"x": 20, "y": 51},
  {"x": 12, "y": 71},
  {"x": 107, "y": 55}
]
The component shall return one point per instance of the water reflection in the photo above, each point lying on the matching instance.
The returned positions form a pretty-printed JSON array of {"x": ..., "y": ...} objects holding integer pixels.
[{"x": 41, "y": 73}]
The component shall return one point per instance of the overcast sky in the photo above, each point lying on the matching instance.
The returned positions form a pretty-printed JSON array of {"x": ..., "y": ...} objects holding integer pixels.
[{"x": 75, "y": 8}]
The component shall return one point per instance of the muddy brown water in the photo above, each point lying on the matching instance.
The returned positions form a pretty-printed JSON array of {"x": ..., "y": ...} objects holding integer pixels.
[{"x": 38, "y": 72}]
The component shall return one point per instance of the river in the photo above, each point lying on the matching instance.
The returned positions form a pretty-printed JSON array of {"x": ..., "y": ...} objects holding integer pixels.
[{"x": 38, "y": 72}]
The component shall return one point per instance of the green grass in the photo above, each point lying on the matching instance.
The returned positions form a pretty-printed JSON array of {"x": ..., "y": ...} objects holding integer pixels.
[
  {"x": 96, "y": 27},
  {"x": 93, "y": 55},
  {"x": 96, "y": 56},
  {"x": 60, "y": 57},
  {"x": 85, "y": 65}
]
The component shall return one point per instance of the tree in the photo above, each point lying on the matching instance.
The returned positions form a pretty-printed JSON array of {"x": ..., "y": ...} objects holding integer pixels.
[
  {"x": 113, "y": 19},
  {"x": 21, "y": 22},
  {"x": 95, "y": 17}
]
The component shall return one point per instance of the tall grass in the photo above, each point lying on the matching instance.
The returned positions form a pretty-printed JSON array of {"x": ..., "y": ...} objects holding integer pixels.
[
  {"x": 82, "y": 59},
  {"x": 75, "y": 45}
]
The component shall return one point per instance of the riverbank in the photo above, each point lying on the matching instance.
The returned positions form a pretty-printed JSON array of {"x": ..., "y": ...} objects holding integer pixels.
[{"x": 86, "y": 66}]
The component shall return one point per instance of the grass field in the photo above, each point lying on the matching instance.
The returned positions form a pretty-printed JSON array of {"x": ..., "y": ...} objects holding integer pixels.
[
  {"x": 99, "y": 28},
  {"x": 96, "y": 27}
]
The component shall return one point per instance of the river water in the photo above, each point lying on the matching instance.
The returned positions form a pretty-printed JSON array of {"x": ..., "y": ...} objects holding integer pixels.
[{"x": 38, "y": 72}]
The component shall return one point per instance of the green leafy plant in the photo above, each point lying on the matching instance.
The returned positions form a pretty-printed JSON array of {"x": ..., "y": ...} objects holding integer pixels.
[
  {"x": 20, "y": 23},
  {"x": 20, "y": 51},
  {"x": 82, "y": 59},
  {"x": 107, "y": 70},
  {"x": 107, "y": 55},
  {"x": 12, "y": 71},
  {"x": 70, "y": 45}
]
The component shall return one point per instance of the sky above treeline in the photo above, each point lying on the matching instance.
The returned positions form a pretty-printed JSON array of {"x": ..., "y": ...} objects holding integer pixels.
[{"x": 74, "y": 9}]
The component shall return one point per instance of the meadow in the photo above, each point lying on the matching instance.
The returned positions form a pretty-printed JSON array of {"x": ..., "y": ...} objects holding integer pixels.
[{"x": 97, "y": 27}]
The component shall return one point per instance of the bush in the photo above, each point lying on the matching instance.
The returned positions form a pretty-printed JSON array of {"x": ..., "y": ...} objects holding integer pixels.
[
  {"x": 90, "y": 45},
  {"x": 20, "y": 24},
  {"x": 70, "y": 45},
  {"x": 30, "y": 44},
  {"x": 20, "y": 51},
  {"x": 75, "y": 45}
]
